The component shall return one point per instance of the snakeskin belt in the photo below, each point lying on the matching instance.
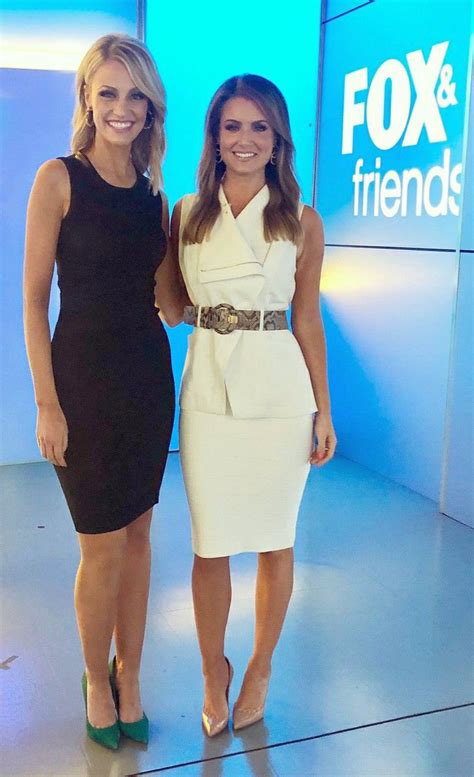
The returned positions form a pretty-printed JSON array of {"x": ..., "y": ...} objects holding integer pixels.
[{"x": 225, "y": 319}]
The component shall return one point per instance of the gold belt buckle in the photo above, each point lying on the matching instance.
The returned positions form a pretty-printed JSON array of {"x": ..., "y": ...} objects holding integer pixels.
[{"x": 228, "y": 319}]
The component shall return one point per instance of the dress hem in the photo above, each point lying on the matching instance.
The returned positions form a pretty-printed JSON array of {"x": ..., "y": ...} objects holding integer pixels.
[
  {"x": 147, "y": 505},
  {"x": 247, "y": 549}
]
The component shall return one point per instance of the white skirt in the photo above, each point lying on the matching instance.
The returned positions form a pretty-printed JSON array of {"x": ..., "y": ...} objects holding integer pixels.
[{"x": 244, "y": 480}]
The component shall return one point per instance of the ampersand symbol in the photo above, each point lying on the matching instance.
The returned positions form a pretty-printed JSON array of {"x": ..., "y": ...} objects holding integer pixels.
[{"x": 445, "y": 94}]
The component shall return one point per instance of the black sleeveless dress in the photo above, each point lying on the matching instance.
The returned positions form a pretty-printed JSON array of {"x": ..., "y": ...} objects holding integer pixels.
[{"x": 110, "y": 352}]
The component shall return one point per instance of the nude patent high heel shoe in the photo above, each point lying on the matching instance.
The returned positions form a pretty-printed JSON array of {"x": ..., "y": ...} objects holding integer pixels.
[
  {"x": 247, "y": 716},
  {"x": 211, "y": 726}
]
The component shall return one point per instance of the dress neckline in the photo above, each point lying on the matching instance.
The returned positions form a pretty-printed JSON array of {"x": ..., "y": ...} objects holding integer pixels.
[
  {"x": 81, "y": 156},
  {"x": 224, "y": 201}
]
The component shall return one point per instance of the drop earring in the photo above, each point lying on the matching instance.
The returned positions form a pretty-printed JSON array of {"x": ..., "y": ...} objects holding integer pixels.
[
  {"x": 149, "y": 120},
  {"x": 89, "y": 118},
  {"x": 218, "y": 154}
]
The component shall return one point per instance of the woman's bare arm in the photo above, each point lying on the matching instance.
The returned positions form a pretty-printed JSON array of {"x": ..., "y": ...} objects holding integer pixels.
[
  {"x": 308, "y": 329},
  {"x": 170, "y": 290},
  {"x": 48, "y": 203}
]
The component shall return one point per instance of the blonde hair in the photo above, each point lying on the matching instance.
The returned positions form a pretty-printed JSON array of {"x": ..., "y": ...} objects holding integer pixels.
[
  {"x": 280, "y": 216},
  {"x": 149, "y": 147}
]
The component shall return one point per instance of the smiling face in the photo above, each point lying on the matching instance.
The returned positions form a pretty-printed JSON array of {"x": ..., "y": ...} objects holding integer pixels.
[
  {"x": 245, "y": 137},
  {"x": 119, "y": 108}
]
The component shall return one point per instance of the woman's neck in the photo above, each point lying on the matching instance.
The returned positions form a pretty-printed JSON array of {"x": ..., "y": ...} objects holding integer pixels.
[
  {"x": 113, "y": 160},
  {"x": 240, "y": 189}
]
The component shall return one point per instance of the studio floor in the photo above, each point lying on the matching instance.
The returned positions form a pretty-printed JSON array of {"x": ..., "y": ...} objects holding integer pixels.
[{"x": 373, "y": 676}]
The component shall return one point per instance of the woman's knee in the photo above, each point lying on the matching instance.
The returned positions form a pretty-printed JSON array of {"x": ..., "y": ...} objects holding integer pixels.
[
  {"x": 138, "y": 533},
  {"x": 275, "y": 557},
  {"x": 211, "y": 566},
  {"x": 104, "y": 550}
]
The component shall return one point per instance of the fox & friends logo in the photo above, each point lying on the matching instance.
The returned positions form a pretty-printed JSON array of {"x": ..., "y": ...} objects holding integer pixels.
[{"x": 401, "y": 193}]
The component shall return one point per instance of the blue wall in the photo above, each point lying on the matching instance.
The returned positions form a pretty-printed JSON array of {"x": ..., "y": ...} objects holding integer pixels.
[
  {"x": 40, "y": 43},
  {"x": 25, "y": 93},
  {"x": 201, "y": 53},
  {"x": 54, "y": 34},
  {"x": 457, "y": 498},
  {"x": 393, "y": 99},
  {"x": 36, "y": 104},
  {"x": 398, "y": 274}
]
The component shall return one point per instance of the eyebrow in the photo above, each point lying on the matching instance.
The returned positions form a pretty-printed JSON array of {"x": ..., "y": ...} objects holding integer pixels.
[
  {"x": 133, "y": 89},
  {"x": 255, "y": 121}
]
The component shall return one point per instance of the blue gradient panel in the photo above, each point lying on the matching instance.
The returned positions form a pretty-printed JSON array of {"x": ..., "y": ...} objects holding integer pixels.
[
  {"x": 392, "y": 124},
  {"x": 195, "y": 53},
  {"x": 389, "y": 313},
  {"x": 457, "y": 498},
  {"x": 467, "y": 227},
  {"x": 24, "y": 93},
  {"x": 458, "y": 491},
  {"x": 388, "y": 323},
  {"x": 36, "y": 106},
  {"x": 55, "y": 35}
]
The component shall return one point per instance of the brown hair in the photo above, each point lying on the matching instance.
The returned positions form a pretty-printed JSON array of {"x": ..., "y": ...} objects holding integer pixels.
[
  {"x": 149, "y": 147},
  {"x": 280, "y": 217}
]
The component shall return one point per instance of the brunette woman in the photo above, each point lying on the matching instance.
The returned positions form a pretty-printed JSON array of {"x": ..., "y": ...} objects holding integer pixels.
[{"x": 248, "y": 249}]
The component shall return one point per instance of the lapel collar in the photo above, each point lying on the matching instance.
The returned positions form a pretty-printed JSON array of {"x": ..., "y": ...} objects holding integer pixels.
[
  {"x": 226, "y": 253},
  {"x": 251, "y": 218}
]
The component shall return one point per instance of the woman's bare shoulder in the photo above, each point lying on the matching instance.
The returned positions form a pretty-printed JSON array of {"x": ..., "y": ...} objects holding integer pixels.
[
  {"x": 311, "y": 220},
  {"x": 53, "y": 171}
]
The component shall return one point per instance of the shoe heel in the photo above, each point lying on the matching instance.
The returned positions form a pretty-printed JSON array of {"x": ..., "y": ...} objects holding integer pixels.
[
  {"x": 138, "y": 730},
  {"x": 109, "y": 736},
  {"x": 211, "y": 728},
  {"x": 231, "y": 675}
]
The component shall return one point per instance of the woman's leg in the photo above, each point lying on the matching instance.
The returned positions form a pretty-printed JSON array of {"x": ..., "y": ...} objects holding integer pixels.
[
  {"x": 212, "y": 596},
  {"x": 131, "y": 615},
  {"x": 96, "y": 595},
  {"x": 273, "y": 593}
]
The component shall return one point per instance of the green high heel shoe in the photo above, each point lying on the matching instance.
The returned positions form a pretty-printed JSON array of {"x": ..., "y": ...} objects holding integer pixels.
[
  {"x": 109, "y": 736},
  {"x": 139, "y": 729}
]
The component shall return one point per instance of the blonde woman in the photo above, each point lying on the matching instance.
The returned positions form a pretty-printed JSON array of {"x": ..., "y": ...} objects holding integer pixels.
[
  {"x": 247, "y": 249},
  {"x": 104, "y": 386}
]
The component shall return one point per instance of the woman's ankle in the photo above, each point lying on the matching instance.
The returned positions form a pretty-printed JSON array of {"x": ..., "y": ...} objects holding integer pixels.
[
  {"x": 213, "y": 665},
  {"x": 260, "y": 666},
  {"x": 98, "y": 679}
]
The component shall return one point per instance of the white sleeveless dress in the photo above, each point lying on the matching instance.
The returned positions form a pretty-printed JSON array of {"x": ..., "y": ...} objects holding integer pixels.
[{"x": 247, "y": 404}]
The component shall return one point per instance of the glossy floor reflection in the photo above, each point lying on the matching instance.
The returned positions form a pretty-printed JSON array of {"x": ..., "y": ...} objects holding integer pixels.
[{"x": 380, "y": 627}]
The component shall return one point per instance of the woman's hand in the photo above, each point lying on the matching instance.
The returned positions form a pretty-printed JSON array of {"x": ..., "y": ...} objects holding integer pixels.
[
  {"x": 52, "y": 434},
  {"x": 325, "y": 439}
]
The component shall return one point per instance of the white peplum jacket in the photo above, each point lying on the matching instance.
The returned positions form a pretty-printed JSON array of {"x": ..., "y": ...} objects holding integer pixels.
[{"x": 249, "y": 374}]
